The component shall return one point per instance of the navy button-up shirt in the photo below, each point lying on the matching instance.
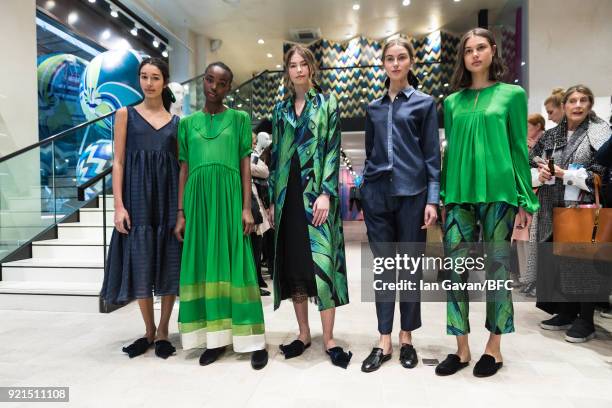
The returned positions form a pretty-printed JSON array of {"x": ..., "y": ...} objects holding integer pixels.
[{"x": 402, "y": 143}]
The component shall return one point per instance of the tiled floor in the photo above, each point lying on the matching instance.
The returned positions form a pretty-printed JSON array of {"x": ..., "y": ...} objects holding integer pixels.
[{"x": 83, "y": 351}]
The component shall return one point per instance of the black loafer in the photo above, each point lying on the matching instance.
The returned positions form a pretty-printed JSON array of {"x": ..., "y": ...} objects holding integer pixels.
[
  {"x": 408, "y": 356},
  {"x": 374, "y": 360},
  {"x": 211, "y": 355},
  {"x": 294, "y": 349},
  {"x": 259, "y": 359},
  {"x": 486, "y": 366},
  {"x": 450, "y": 365}
]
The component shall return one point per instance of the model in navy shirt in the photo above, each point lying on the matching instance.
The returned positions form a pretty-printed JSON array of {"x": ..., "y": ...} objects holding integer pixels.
[{"x": 401, "y": 190}]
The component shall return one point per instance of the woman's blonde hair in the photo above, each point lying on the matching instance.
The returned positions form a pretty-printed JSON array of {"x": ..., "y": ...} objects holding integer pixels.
[
  {"x": 556, "y": 97},
  {"x": 313, "y": 69}
]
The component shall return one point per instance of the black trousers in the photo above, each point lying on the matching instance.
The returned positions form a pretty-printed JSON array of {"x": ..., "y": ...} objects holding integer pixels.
[{"x": 393, "y": 219}]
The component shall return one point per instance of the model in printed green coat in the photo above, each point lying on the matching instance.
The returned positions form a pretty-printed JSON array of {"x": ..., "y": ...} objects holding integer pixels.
[{"x": 304, "y": 171}]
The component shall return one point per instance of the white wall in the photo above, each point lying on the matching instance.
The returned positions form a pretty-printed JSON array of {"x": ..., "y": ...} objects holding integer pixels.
[
  {"x": 18, "y": 85},
  {"x": 569, "y": 43}
]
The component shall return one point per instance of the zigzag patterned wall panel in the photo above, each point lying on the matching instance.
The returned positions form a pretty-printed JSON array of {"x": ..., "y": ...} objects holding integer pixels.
[{"x": 351, "y": 71}]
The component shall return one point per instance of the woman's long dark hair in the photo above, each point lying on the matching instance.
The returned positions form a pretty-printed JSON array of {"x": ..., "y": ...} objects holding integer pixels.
[
  {"x": 402, "y": 42},
  {"x": 462, "y": 78},
  {"x": 167, "y": 96}
]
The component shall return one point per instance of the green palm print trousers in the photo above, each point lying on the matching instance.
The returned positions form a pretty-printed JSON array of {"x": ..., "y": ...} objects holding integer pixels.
[{"x": 496, "y": 221}]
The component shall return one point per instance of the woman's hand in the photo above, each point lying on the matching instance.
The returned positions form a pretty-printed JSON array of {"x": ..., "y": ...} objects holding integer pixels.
[
  {"x": 543, "y": 173},
  {"x": 179, "y": 228},
  {"x": 559, "y": 172},
  {"x": 320, "y": 210},
  {"x": 122, "y": 218},
  {"x": 248, "y": 223},
  {"x": 523, "y": 220},
  {"x": 271, "y": 215},
  {"x": 430, "y": 216}
]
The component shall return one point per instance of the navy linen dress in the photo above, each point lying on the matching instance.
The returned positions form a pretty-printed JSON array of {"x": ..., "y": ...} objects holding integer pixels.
[{"x": 147, "y": 259}]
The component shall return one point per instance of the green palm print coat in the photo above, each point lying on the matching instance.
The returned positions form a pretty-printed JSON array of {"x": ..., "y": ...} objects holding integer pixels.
[{"x": 316, "y": 136}]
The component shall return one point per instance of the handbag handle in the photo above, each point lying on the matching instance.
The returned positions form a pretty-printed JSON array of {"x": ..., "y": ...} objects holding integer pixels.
[{"x": 597, "y": 185}]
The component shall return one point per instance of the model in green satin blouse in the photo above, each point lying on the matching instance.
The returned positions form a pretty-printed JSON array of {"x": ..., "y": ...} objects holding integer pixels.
[{"x": 486, "y": 157}]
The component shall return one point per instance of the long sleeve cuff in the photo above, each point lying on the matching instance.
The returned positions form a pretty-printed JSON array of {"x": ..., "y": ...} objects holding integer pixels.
[
  {"x": 535, "y": 178},
  {"x": 576, "y": 178},
  {"x": 433, "y": 192}
]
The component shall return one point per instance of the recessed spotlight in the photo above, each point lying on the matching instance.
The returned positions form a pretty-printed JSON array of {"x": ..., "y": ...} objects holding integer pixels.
[
  {"x": 420, "y": 86},
  {"x": 134, "y": 31},
  {"x": 114, "y": 13},
  {"x": 92, "y": 1},
  {"x": 441, "y": 95},
  {"x": 50, "y": 4},
  {"x": 457, "y": 1},
  {"x": 269, "y": 55},
  {"x": 165, "y": 54},
  {"x": 155, "y": 43},
  {"x": 356, "y": 6},
  {"x": 105, "y": 34},
  {"x": 406, "y": 3},
  {"x": 73, "y": 17},
  {"x": 516, "y": 81},
  {"x": 261, "y": 41},
  {"x": 446, "y": 84},
  {"x": 523, "y": 63},
  {"x": 279, "y": 66}
]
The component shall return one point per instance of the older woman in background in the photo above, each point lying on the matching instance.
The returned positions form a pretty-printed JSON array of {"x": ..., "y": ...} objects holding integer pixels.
[{"x": 572, "y": 144}]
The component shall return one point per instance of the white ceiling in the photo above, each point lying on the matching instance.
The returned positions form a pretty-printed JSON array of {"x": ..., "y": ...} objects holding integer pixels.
[{"x": 240, "y": 25}]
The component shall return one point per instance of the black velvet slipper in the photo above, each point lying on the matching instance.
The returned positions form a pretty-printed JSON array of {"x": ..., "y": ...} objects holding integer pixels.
[
  {"x": 450, "y": 365},
  {"x": 486, "y": 366},
  {"x": 210, "y": 355},
  {"x": 164, "y": 349},
  {"x": 295, "y": 349},
  {"x": 138, "y": 347},
  {"x": 339, "y": 357}
]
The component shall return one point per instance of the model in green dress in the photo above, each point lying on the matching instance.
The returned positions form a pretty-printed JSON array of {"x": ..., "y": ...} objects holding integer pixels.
[
  {"x": 219, "y": 294},
  {"x": 485, "y": 180}
]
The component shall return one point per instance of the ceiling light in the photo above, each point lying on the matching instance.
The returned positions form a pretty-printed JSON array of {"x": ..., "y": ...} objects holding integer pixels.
[
  {"x": 165, "y": 54},
  {"x": 406, "y": 3},
  {"x": 269, "y": 55},
  {"x": 446, "y": 84},
  {"x": 523, "y": 63},
  {"x": 261, "y": 41},
  {"x": 114, "y": 12},
  {"x": 278, "y": 66},
  {"x": 457, "y": 1},
  {"x": 73, "y": 18},
  {"x": 92, "y": 1},
  {"x": 356, "y": 6},
  {"x": 134, "y": 31},
  {"x": 516, "y": 81},
  {"x": 105, "y": 34},
  {"x": 155, "y": 43},
  {"x": 50, "y": 4}
]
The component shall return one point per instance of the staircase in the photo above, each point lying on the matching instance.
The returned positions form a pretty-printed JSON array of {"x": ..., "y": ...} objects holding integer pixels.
[{"x": 64, "y": 274}]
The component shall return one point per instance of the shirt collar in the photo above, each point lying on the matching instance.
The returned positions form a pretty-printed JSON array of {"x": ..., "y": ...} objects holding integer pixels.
[{"x": 406, "y": 91}]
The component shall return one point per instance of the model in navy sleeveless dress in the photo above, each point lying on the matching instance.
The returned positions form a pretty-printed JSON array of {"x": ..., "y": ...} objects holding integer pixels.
[{"x": 146, "y": 261}]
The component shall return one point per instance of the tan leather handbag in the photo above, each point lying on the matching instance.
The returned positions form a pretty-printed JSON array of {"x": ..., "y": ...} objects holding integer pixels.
[{"x": 584, "y": 227}]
